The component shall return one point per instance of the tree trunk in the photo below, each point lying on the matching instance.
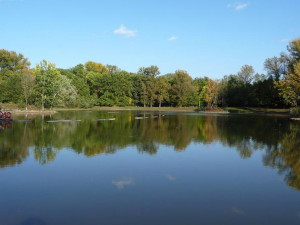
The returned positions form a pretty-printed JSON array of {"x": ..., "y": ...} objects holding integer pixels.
[
  {"x": 43, "y": 107},
  {"x": 160, "y": 104}
]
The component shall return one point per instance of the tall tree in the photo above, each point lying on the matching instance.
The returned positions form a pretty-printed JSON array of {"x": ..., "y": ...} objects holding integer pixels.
[
  {"x": 290, "y": 87},
  {"x": 210, "y": 93},
  {"x": 66, "y": 92},
  {"x": 294, "y": 49},
  {"x": 151, "y": 90},
  {"x": 113, "y": 69},
  {"x": 182, "y": 86},
  {"x": 12, "y": 62},
  {"x": 162, "y": 89},
  {"x": 276, "y": 67},
  {"x": 199, "y": 84},
  {"x": 246, "y": 74},
  {"x": 28, "y": 82},
  {"x": 47, "y": 81},
  {"x": 151, "y": 71},
  {"x": 96, "y": 67}
]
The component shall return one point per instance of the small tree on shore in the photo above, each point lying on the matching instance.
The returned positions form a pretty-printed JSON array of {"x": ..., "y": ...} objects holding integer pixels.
[{"x": 27, "y": 82}]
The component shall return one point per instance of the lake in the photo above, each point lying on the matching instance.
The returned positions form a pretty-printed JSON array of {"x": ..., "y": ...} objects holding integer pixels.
[{"x": 150, "y": 168}]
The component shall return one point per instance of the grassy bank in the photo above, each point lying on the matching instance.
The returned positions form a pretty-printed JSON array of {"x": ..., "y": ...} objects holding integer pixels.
[
  {"x": 257, "y": 110},
  {"x": 14, "y": 108}
]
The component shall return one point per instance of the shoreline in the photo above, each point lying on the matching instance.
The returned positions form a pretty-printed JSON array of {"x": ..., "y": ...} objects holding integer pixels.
[
  {"x": 226, "y": 110},
  {"x": 114, "y": 108},
  {"x": 295, "y": 119}
]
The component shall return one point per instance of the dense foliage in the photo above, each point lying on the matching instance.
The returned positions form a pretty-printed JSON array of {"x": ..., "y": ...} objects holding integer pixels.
[{"x": 95, "y": 84}]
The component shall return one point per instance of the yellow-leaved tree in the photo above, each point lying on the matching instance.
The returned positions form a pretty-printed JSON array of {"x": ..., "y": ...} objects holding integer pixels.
[{"x": 290, "y": 86}]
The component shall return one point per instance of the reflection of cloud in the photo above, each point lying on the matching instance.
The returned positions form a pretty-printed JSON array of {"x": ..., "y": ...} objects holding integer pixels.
[
  {"x": 120, "y": 184},
  {"x": 170, "y": 177},
  {"x": 237, "y": 211}
]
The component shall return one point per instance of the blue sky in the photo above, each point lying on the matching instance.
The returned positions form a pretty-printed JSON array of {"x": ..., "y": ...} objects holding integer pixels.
[{"x": 206, "y": 38}]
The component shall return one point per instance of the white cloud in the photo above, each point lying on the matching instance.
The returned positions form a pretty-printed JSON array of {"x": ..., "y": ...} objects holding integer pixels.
[
  {"x": 173, "y": 38},
  {"x": 120, "y": 184},
  {"x": 238, "y": 6},
  {"x": 124, "y": 31}
]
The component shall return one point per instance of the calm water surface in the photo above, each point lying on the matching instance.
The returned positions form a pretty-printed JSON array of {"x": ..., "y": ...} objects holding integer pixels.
[{"x": 171, "y": 169}]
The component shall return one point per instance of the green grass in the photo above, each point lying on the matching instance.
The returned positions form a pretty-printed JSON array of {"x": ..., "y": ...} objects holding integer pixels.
[
  {"x": 236, "y": 109},
  {"x": 256, "y": 110}
]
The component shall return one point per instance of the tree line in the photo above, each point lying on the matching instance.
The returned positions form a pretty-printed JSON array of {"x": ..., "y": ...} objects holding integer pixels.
[{"x": 94, "y": 84}]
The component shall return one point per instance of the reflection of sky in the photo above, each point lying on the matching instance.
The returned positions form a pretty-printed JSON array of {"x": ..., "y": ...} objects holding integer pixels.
[
  {"x": 209, "y": 180},
  {"x": 237, "y": 211},
  {"x": 121, "y": 183},
  {"x": 168, "y": 188}
]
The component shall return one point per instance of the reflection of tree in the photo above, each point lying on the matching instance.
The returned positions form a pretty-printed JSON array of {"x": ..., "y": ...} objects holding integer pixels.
[
  {"x": 286, "y": 156},
  {"x": 45, "y": 154},
  {"x": 245, "y": 149},
  {"x": 150, "y": 148},
  {"x": 279, "y": 137},
  {"x": 11, "y": 151}
]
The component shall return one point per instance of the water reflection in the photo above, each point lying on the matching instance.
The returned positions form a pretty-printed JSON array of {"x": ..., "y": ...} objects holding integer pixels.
[
  {"x": 121, "y": 183},
  {"x": 278, "y": 137}
]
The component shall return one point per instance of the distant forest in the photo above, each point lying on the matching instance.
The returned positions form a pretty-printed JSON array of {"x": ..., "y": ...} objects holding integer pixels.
[{"x": 94, "y": 84}]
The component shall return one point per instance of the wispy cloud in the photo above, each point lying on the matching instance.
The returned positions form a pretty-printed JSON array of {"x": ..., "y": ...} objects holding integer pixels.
[
  {"x": 238, "y": 6},
  {"x": 122, "y": 30},
  {"x": 284, "y": 40},
  {"x": 173, "y": 38},
  {"x": 120, "y": 184}
]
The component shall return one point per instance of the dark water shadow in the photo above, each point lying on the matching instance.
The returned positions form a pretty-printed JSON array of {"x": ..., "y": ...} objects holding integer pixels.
[{"x": 33, "y": 221}]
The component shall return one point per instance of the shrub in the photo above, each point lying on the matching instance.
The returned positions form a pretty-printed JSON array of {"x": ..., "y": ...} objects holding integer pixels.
[{"x": 295, "y": 111}]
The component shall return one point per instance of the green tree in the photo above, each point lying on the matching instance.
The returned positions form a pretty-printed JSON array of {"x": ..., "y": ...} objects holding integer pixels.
[
  {"x": 259, "y": 77},
  {"x": 199, "y": 84},
  {"x": 276, "y": 67},
  {"x": 113, "y": 69},
  {"x": 96, "y": 67},
  {"x": 162, "y": 89},
  {"x": 47, "y": 82},
  {"x": 294, "y": 49},
  {"x": 290, "y": 87},
  {"x": 66, "y": 94},
  {"x": 11, "y": 63},
  {"x": 28, "y": 82},
  {"x": 151, "y": 90},
  {"x": 246, "y": 74},
  {"x": 151, "y": 71},
  {"x": 181, "y": 86}
]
